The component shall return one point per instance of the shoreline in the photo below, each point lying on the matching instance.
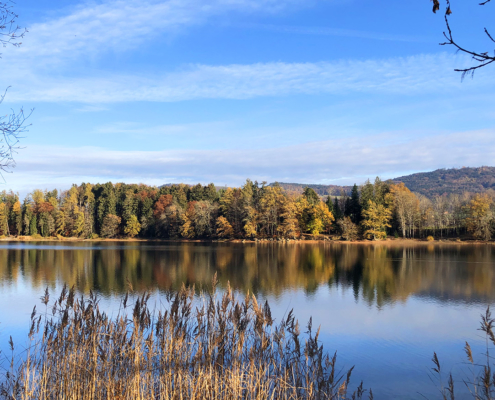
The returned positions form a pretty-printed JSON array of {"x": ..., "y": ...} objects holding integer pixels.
[{"x": 325, "y": 240}]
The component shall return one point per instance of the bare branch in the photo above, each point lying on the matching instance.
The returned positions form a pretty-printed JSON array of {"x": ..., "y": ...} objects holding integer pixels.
[
  {"x": 483, "y": 59},
  {"x": 13, "y": 125},
  {"x": 10, "y": 32}
]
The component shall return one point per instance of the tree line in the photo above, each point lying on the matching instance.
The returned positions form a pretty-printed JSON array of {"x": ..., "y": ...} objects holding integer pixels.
[{"x": 372, "y": 211}]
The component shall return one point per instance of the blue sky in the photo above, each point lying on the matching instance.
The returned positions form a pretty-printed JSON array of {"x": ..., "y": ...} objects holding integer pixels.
[{"x": 310, "y": 91}]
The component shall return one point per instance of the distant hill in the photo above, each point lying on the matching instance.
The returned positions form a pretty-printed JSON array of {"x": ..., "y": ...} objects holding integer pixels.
[
  {"x": 446, "y": 181},
  {"x": 430, "y": 184},
  {"x": 322, "y": 190}
]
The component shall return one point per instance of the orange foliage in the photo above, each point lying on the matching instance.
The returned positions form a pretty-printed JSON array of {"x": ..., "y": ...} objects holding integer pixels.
[
  {"x": 146, "y": 194},
  {"x": 190, "y": 207},
  {"x": 163, "y": 202},
  {"x": 44, "y": 207}
]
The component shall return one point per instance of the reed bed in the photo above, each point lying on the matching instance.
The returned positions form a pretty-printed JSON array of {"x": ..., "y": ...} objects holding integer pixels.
[
  {"x": 480, "y": 379},
  {"x": 211, "y": 346}
]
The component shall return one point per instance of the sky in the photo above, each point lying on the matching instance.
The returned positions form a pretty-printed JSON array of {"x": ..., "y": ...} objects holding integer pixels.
[{"x": 308, "y": 91}]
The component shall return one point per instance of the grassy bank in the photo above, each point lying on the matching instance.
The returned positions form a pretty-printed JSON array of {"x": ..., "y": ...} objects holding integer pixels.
[{"x": 390, "y": 241}]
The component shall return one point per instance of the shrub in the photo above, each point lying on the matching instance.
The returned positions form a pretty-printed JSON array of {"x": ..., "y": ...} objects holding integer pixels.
[
  {"x": 430, "y": 238},
  {"x": 348, "y": 228}
]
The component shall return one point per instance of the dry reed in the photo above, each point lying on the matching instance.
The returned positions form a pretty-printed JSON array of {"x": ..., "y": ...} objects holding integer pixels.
[
  {"x": 481, "y": 385},
  {"x": 211, "y": 347}
]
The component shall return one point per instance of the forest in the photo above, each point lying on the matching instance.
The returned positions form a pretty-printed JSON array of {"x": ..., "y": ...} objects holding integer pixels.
[{"x": 254, "y": 211}]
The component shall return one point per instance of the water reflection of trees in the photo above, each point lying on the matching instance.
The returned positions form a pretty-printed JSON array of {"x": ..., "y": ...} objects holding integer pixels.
[{"x": 376, "y": 273}]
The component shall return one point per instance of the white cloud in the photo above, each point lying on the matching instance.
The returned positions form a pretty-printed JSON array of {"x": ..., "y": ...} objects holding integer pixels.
[
  {"x": 46, "y": 67},
  {"x": 387, "y": 155},
  {"x": 421, "y": 74},
  {"x": 123, "y": 24},
  {"x": 326, "y": 31}
]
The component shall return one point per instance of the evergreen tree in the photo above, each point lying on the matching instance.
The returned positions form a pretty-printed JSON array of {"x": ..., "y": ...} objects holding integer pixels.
[
  {"x": 355, "y": 206},
  {"x": 311, "y": 196},
  {"x": 347, "y": 207},
  {"x": 367, "y": 194},
  {"x": 33, "y": 229},
  {"x": 196, "y": 193},
  {"x": 210, "y": 193},
  {"x": 336, "y": 209},
  {"x": 329, "y": 204}
]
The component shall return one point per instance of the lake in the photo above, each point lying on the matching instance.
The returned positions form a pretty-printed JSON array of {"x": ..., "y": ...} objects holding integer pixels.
[{"x": 384, "y": 308}]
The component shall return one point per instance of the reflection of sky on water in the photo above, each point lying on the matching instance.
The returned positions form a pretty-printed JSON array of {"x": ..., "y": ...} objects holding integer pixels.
[{"x": 425, "y": 306}]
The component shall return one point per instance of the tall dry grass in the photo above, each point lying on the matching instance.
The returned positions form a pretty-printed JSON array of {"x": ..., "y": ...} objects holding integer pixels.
[
  {"x": 214, "y": 347},
  {"x": 480, "y": 382}
]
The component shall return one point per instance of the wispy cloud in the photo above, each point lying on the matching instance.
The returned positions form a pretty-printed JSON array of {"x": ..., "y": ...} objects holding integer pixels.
[
  {"x": 421, "y": 74},
  {"x": 46, "y": 67},
  {"x": 121, "y": 25},
  {"x": 328, "y": 31},
  {"x": 133, "y": 128},
  {"x": 387, "y": 155}
]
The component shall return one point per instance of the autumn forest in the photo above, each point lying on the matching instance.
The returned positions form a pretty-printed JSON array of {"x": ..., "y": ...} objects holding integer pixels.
[{"x": 372, "y": 211}]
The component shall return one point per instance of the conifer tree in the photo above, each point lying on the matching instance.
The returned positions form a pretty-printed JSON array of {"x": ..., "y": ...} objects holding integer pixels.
[
  {"x": 336, "y": 209},
  {"x": 210, "y": 193},
  {"x": 33, "y": 229},
  {"x": 329, "y": 204},
  {"x": 367, "y": 194},
  {"x": 311, "y": 196},
  {"x": 355, "y": 205}
]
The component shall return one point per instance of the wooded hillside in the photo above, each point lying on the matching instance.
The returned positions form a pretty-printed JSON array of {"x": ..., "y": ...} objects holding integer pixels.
[
  {"x": 430, "y": 184},
  {"x": 450, "y": 181}
]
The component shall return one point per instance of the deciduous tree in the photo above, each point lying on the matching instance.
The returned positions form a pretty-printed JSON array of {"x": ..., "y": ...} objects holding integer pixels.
[
  {"x": 348, "y": 228},
  {"x": 111, "y": 225},
  {"x": 224, "y": 229},
  {"x": 481, "y": 58},
  {"x": 480, "y": 217},
  {"x": 132, "y": 227},
  {"x": 376, "y": 220},
  {"x": 12, "y": 126}
]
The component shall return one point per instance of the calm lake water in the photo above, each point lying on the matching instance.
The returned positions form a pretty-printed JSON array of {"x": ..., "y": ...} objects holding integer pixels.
[{"x": 383, "y": 308}]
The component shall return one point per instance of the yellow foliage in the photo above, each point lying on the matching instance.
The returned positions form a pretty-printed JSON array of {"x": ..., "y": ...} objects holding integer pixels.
[
  {"x": 224, "y": 229},
  {"x": 132, "y": 227},
  {"x": 376, "y": 220},
  {"x": 480, "y": 217},
  {"x": 17, "y": 207},
  {"x": 187, "y": 228}
]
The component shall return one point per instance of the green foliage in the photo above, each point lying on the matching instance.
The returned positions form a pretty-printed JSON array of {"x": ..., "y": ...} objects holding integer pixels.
[
  {"x": 33, "y": 229},
  {"x": 337, "y": 212},
  {"x": 311, "y": 196},
  {"x": 355, "y": 208},
  {"x": 252, "y": 211}
]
